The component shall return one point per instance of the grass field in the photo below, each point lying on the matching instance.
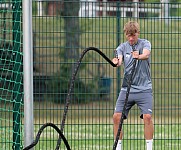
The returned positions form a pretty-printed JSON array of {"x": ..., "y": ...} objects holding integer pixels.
[{"x": 89, "y": 126}]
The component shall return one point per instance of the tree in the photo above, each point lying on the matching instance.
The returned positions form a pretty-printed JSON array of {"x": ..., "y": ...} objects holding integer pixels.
[{"x": 71, "y": 27}]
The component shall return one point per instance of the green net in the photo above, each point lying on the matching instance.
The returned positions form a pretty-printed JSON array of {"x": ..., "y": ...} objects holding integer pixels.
[{"x": 10, "y": 75}]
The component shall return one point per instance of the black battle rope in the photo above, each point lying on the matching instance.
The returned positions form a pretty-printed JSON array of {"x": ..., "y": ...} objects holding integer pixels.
[
  {"x": 72, "y": 85},
  {"x": 60, "y": 131},
  {"x": 125, "y": 102},
  {"x": 41, "y": 130}
]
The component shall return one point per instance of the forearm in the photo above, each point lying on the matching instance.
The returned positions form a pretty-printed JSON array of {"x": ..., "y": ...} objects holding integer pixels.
[{"x": 143, "y": 57}]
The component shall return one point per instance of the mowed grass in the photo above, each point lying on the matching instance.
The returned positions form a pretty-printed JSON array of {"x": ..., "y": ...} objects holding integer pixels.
[
  {"x": 100, "y": 137},
  {"x": 89, "y": 126}
]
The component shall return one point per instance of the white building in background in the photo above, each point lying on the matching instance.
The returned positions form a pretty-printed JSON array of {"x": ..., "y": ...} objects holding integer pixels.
[
  {"x": 40, "y": 8},
  {"x": 87, "y": 8},
  {"x": 94, "y": 8}
]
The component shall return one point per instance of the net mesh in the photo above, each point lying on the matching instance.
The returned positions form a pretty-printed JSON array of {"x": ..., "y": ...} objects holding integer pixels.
[{"x": 10, "y": 75}]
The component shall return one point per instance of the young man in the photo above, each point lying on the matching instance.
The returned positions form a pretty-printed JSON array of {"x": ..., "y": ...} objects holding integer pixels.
[{"x": 141, "y": 86}]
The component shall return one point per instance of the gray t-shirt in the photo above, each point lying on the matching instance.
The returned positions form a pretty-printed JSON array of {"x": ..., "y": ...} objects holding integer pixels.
[{"x": 142, "y": 76}]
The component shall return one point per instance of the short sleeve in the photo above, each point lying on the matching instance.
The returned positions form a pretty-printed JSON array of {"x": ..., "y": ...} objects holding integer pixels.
[
  {"x": 147, "y": 45},
  {"x": 119, "y": 50}
]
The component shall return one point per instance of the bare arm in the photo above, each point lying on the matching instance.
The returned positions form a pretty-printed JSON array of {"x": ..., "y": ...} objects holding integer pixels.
[{"x": 145, "y": 55}]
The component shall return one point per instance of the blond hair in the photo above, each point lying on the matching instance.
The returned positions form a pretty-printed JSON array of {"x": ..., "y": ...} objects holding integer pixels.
[{"x": 131, "y": 28}]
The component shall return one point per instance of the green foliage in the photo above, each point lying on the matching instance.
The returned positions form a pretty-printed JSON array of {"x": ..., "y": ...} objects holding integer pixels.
[
  {"x": 34, "y": 8},
  {"x": 60, "y": 83},
  {"x": 153, "y": 1}
]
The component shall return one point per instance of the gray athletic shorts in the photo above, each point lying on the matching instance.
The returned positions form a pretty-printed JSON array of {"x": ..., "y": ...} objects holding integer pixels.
[{"x": 143, "y": 100}]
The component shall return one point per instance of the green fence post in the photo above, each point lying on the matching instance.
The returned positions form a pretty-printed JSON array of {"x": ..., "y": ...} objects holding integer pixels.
[
  {"x": 118, "y": 41},
  {"x": 16, "y": 74}
]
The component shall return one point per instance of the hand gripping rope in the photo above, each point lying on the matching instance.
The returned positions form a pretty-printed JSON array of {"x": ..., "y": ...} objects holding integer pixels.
[
  {"x": 60, "y": 131},
  {"x": 125, "y": 102}
]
